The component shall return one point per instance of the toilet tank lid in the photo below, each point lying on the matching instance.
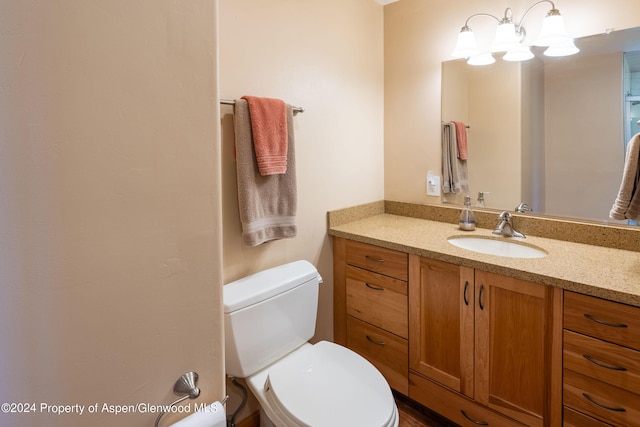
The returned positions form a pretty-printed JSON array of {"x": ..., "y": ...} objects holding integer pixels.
[{"x": 266, "y": 284}]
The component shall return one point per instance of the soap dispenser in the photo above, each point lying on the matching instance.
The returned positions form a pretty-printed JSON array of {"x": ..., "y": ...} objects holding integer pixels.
[
  {"x": 467, "y": 218},
  {"x": 480, "y": 201}
]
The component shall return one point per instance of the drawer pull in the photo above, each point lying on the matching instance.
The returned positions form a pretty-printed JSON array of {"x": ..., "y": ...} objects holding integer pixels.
[
  {"x": 476, "y": 422},
  {"x": 608, "y": 408},
  {"x": 375, "y": 288},
  {"x": 603, "y": 365},
  {"x": 375, "y": 341},
  {"x": 374, "y": 259},
  {"x": 464, "y": 295},
  {"x": 604, "y": 322}
]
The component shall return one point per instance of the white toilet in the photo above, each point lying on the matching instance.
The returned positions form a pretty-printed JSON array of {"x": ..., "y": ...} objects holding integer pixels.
[{"x": 269, "y": 317}]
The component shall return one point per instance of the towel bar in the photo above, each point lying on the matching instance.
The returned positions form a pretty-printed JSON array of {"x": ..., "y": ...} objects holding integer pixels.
[
  {"x": 467, "y": 126},
  {"x": 232, "y": 102}
]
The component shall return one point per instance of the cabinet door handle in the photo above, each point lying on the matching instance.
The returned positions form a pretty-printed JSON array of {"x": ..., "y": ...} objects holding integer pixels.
[
  {"x": 374, "y": 259},
  {"x": 602, "y": 364},
  {"x": 375, "y": 288},
  {"x": 476, "y": 422},
  {"x": 374, "y": 341},
  {"x": 480, "y": 297},
  {"x": 604, "y": 322},
  {"x": 464, "y": 295},
  {"x": 608, "y": 408}
]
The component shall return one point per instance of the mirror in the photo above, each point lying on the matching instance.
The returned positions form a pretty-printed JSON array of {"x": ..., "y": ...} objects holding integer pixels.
[{"x": 550, "y": 132}]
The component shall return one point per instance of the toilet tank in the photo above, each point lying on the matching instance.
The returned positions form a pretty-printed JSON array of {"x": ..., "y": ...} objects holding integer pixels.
[{"x": 269, "y": 314}]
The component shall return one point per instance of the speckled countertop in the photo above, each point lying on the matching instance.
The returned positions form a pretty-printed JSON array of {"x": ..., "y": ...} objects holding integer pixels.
[{"x": 600, "y": 271}]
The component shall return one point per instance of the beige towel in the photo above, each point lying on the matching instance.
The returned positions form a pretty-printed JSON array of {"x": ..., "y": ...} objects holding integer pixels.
[
  {"x": 454, "y": 170},
  {"x": 627, "y": 204},
  {"x": 267, "y": 203}
]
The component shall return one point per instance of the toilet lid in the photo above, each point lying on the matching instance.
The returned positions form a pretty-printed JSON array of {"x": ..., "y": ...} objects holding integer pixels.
[{"x": 329, "y": 385}]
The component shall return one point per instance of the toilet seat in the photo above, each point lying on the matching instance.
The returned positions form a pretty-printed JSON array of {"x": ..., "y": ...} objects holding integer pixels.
[{"x": 327, "y": 385}]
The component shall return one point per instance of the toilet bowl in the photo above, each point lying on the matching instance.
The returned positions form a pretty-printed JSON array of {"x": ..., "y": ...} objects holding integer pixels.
[
  {"x": 269, "y": 318},
  {"x": 324, "y": 385}
]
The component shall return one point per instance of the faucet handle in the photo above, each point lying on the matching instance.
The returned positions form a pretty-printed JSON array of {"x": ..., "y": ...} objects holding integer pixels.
[
  {"x": 523, "y": 207},
  {"x": 504, "y": 215}
]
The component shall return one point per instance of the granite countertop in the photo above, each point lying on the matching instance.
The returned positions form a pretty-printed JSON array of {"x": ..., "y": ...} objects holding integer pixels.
[{"x": 604, "y": 272}]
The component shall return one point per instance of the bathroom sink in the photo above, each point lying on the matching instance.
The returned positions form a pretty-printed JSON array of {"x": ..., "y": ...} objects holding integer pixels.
[{"x": 497, "y": 246}]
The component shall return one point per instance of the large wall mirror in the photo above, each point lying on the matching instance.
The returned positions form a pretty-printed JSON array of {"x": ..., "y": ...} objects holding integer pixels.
[{"x": 550, "y": 132}]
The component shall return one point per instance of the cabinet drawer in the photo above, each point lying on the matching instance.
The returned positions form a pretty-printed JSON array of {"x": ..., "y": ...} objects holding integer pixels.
[
  {"x": 384, "y": 261},
  {"x": 610, "y": 363},
  {"x": 377, "y": 299},
  {"x": 453, "y": 406},
  {"x": 601, "y": 400},
  {"x": 573, "y": 418},
  {"x": 607, "y": 320},
  {"x": 387, "y": 352}
]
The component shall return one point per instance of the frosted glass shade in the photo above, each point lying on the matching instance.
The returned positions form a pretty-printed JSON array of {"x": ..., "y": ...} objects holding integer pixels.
[
  {"x": 519, "y": 53},
  {"x": 481, "y": 59},
  {"x": 466, "y": 45},
  {"x": 552, "y": 31},
  {"x": 506, "y": 38},
  {"x": 564, "y": 48}
]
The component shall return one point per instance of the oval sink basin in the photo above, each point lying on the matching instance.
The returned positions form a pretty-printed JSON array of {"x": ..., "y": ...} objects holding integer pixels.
[{"x": 497, "y": 246}]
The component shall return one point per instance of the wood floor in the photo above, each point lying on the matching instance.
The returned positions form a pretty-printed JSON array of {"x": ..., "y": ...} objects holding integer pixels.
[{"x": 415, "y": 415}]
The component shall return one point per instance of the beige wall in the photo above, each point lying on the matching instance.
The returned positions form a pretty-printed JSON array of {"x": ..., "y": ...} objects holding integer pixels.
[
  {"x": 587, "y": 133},
  {"x": 495, "y": 93},
  {"x": 473, "y": 95},
  {"x": 533, "y": 128},
  {"x": 495, "y": 100},
  {"x": 327, "y": 57},
  {"x": 419, "y": 35},
  {"x": 110, "y": 262}
]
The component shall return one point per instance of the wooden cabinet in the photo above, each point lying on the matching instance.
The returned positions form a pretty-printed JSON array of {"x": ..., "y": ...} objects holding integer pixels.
[
  {"x": 601, "y": 361},
  {"x": 474, "y": 346},
  {"x": 493, "y": 339},
  {"x": 370, "y": 307},
  {"x": 441, "y": 332}
]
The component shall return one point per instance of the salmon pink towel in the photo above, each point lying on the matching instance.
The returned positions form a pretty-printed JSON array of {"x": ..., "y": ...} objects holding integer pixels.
[
  {"x": 270, "y": 134},
  {"x": 461, "y": 136}
]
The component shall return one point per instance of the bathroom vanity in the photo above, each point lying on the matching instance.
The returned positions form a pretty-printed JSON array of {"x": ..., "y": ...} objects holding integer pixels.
[{"x": 488, "y": 339}]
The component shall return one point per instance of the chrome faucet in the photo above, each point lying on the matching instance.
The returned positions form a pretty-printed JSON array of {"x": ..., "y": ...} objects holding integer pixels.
[
  {"x": 505, "y": 226},
  {"x": 523, "y": 207}
]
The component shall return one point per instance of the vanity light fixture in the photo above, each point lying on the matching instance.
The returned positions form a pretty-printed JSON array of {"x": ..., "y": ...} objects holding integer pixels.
[
  {"x": 510, "y": 38},
  {"x": 481, "y": 59}
]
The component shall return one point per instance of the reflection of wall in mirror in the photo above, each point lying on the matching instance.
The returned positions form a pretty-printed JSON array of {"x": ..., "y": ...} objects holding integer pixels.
[
  {"x": 584, "y": 137},
  {"x": 504, "y": 154}
]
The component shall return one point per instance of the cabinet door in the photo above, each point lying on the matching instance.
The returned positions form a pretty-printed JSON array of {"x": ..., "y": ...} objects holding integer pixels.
[
  {"x": 441, "y": 310},
  {"x": 515, "y": 329}
]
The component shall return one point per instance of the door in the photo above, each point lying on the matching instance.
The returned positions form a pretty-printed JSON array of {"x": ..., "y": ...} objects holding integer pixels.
[
  {"x": 513, "y": 359},
  {"x": 441, "y": 313}
]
